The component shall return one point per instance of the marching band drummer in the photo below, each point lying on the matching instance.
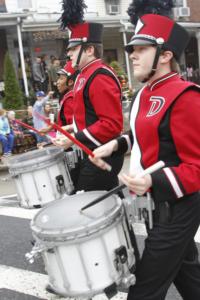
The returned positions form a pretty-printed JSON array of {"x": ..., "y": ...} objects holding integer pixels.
[
  {"x": 97, "y": 99},
  {"x": 165, "y": 124},
  {"x": 65, "y": 84}
]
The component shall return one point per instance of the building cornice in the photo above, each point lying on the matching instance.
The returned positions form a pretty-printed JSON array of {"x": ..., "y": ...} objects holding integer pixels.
[
  {"x": 106, "y": 21},
  {"x": 49, "y": 21},
  {"x": 10, "y": 19},
  {"x": 39, "y": 22}
]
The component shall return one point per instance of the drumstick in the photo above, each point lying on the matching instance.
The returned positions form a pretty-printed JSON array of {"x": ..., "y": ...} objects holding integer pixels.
[
  {"x": 160, "y": 164},
  {"x": 72, "y": 138},
  {"x": 28, "y": 126}
]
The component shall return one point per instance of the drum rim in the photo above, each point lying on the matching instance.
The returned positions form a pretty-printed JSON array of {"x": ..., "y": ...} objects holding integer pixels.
[
  {"x": 77, "y": 232},
  {"x": 17, "y": 166},
  {"x": 64, "y": 236}
]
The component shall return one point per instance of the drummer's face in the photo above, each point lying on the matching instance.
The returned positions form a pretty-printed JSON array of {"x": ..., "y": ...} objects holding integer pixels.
[
  {"x": 142, "y": 59},
  {"x": 86, "y": 56},
  {"x": 62, "y": 84}
]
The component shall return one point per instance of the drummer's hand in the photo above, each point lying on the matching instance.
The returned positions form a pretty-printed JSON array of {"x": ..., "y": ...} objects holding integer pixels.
[
  {"x": 135, "y": 184},
  {"x": 69, "y": 128},
  {"x": 103, "y": 151},
  {"x": 62, "y": 141},
  {"x": 45, "y": 129}
]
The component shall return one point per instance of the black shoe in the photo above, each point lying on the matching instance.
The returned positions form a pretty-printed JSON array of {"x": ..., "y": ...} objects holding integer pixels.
[
  {"x": 49, "y": 289},
  {"x": 37, "y": 206}
]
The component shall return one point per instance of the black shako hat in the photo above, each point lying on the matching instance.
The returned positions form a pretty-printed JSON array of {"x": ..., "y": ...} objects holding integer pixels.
[
  {"x": 153, "y": 29},
  {"x": 82, "y": 32},
  {"x": 85, "y": 33}
]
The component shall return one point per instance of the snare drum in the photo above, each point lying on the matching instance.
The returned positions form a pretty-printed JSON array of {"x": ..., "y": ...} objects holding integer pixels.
[
  {"x": 84, "y": 253},
  {"x": 40, "y": 176}
]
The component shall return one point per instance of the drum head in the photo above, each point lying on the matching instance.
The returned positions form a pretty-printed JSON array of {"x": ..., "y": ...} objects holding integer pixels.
[
  {"x": 64, "y": 217},
  {"x": 34, "y": 159}
]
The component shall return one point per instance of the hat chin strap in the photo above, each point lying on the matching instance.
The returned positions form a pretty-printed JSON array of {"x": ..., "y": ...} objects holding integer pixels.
[
  {"x": 155, "y": 62},
  {"x": 79, "y": 57}
]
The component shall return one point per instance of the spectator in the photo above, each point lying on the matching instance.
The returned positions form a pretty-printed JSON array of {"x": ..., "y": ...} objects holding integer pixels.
[
  {"x": 29, "y": 120},
  {"x": 14, "y": 126},
  {"x": 38, "y": 108},
  {"x": 47, "y": 129},
  {"x": 190, "y": 72},
  {"x": 39, "y": 76},
  {"x": 183, "y": 72},
  {"x": 196, "y": 75},
  {"x": 54, "y": 68},
  {"x": 6, "y": 136},
  {"x": 28, "y": 73},
  {"x": 52, "y": 57},
  {"x": 45, "y": 68},
  {"x": 16, "y": 129},
  {"x": 2, "y": 89}
]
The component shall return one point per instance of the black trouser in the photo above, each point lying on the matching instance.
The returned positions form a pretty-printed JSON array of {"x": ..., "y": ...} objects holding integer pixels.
[
  {"x": 170, "y": 254},
  {"x": 86, "y": 176}
]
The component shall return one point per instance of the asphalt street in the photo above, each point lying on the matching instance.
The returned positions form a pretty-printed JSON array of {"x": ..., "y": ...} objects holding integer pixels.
[{"x": 19, "y": 279}]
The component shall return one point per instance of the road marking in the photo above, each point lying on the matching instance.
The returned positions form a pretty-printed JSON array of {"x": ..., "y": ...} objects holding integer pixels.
[
  {"x": 18, "y": 212},
  {"x": 22, "y": 281},
  {"x": 8, "y": 196},
  {"x": 32, "y": 283},
  {"x": 197, "y": 236}
]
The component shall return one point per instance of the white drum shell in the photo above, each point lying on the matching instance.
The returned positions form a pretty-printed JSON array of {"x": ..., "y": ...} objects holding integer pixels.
[
  {"x": 86, "y": 268},
  {"x": 85, "y": 265},
  {"x": 36, "y": 181}
]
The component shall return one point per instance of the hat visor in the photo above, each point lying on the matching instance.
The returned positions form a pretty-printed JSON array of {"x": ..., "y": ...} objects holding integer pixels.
[
  {"x": 73, "y": 44},
  {"x": 138, "y": 42}
]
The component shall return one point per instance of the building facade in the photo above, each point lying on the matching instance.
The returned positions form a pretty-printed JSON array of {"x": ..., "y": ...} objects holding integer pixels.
[{"x": 31, "y": 28}]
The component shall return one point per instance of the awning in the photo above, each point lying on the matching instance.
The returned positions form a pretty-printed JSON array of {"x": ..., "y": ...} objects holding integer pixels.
[{"x": 8, "y": 19}]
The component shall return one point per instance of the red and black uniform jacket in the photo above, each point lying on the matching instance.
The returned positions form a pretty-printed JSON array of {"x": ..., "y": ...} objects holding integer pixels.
[
  {"x": 165, "y": 123},
  {"x": 65, "y": 113},
  {"x": 97, "y": 105}
]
